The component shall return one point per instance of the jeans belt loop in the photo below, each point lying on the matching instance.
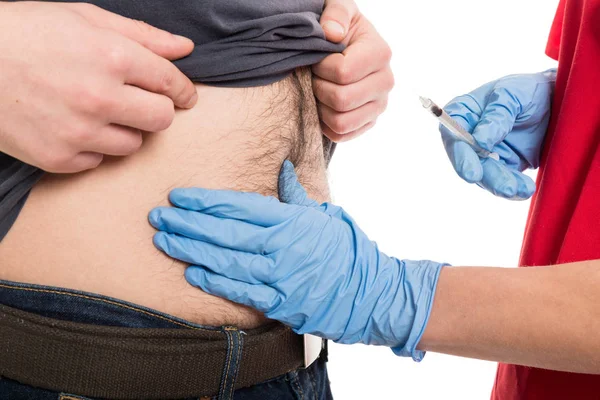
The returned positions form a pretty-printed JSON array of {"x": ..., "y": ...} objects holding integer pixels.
[{"x": 313, "y": 346}]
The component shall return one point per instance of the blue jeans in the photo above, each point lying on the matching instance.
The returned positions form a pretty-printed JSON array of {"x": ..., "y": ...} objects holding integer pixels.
[{"x": 62, "y": 304}]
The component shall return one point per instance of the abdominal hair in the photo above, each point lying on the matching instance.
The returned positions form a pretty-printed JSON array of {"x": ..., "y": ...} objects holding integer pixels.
[{"x": 290, "y": 130}]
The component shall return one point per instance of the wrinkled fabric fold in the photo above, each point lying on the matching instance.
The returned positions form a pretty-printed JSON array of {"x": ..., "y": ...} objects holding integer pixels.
[
  {"x": 16, "y": 181},
  {"x": 238, "y": 43},
  {"x": 258, "y": 44}
]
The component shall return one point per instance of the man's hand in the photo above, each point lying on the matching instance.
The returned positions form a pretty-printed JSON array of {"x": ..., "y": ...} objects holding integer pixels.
[
  {"x": 78, "y": 82},
  {"x": 352, "y": 87}
]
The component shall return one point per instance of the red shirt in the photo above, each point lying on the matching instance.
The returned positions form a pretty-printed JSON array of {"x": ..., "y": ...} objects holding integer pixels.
[{"x": 564, "y": 219}]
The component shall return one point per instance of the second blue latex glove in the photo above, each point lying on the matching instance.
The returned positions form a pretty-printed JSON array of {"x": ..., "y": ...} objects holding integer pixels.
[
  {"x": 307, "y": 265},
  {"x": 510, "y": 117}
]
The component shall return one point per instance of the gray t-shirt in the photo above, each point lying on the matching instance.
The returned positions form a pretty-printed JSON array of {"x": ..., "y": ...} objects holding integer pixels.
[{"x": 239, "y": 43}]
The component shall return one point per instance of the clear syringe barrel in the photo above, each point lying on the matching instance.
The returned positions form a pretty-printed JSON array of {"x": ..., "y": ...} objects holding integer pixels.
[{"x": 454, "y": 127}]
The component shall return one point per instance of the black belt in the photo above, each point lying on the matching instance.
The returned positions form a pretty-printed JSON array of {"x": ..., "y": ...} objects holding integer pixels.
[{"x": 129, "y": 363}]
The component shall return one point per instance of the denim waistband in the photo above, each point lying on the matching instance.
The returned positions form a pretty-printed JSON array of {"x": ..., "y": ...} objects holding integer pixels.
[
  {"x": 97, "y": 310},
  {"x": 87, "y": 308}
]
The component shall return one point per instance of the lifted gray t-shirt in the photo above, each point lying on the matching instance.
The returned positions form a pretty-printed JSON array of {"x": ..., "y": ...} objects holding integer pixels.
[{"x": 239, "y": 43}]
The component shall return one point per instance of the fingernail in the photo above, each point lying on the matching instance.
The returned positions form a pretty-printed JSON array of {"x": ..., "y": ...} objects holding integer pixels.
[
  {"x": 192, "y": 101},
  {"x": 183, "y": 39},
  {"x": 334, "y": 27}
]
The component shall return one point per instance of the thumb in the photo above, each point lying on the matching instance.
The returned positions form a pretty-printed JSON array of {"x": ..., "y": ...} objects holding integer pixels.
[
  {"x": 291, "y": 190},
  {"x": 162, "y": 43},
  {"x": 337, "y": 17}
]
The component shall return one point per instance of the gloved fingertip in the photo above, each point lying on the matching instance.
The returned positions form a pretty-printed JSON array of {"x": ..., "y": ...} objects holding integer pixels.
[
  {"x": 530, "y": 189},
  {"x": 467, "y": 163},
  {"x": 499, "y": 179},
  {"x": 508, "y": 191},
  {"x": 471, "y": 173},
  {"x": 288, "y": 181},
  {"x": 290, "y": 189},
  {"x": 160, "y": 241},
  {"x": 526, "y": 189},
  {"x": 194, "y": 275},
  {"x": 191, "y": 272},
  {"x": 176, "y": 195},
  {"x": 154, "y": 217},
  {"x": 287, "y": 175},
  {"x": 288, "y": 166}
]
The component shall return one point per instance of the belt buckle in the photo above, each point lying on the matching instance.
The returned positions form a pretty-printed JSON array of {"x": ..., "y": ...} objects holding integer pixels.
[{"x": 312, "y": 349}]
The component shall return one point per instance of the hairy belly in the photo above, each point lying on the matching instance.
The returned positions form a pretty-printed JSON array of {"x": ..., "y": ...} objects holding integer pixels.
[{"x": 90, "y": 231}]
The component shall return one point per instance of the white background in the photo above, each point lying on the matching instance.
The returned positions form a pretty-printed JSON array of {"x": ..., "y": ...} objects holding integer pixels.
[{"x": 397, "y": 182}]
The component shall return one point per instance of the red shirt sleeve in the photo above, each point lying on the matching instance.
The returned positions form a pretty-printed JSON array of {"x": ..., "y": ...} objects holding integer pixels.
[{"x": 553, "y": 46}]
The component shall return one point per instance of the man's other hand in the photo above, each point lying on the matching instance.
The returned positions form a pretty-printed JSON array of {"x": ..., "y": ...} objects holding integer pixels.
[
  {"x": 78, "y": 82},
  {"x": 352, "y": 87}
]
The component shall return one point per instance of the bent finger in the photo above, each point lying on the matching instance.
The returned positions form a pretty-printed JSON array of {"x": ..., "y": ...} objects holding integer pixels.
[
  {"x": 140, "y": 109},
  {"x": 498, "y": 179},
  {"x": 337, "y": 138},
  {"x": 525, "y": 186},
  {"x": 366, "y": 53},
  {"x": 346, "y": 98},
  {"x": 252, "y": 208},
  {"x": 466, "y": 110},
  {"x": 81, "y": 162},
  {"x": 260, "y": 297},
  {"x": 115, "y": 140},
  {"x": 157, "y": 75},
  {"x": 344, "y": 123},
  {"x": 497, "y": 119},
  {"x": 195, "y": 225},
  {"x": 463, "y": 158},
  {"x": 233, "y": 264}
]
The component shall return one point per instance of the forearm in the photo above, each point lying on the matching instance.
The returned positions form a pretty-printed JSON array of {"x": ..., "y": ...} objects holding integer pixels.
[{"x": 541, "y": 317}]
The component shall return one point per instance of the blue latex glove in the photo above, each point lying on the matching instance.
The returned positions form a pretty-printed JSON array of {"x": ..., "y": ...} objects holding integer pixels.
[
  {"x": 510, "y": 117},
  {"x": 304, "y": 264}
]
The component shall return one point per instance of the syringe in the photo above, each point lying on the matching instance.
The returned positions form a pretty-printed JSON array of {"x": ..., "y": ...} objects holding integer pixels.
[{"x": 458, "y": 131}]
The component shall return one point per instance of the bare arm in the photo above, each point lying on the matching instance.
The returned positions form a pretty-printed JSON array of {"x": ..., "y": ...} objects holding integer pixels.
[{"x": 540, "y": 317}]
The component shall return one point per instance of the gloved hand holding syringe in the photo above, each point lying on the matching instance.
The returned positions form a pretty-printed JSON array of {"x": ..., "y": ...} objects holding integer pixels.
[{"x": 458, "y": 131}]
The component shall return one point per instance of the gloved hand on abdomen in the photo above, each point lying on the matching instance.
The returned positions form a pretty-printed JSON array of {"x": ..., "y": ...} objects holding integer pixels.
[{"x": 307, "y": 265}]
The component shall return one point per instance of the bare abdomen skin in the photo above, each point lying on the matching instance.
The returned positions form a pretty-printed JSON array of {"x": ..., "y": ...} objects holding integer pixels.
[{"x": 90, "y": 231}]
